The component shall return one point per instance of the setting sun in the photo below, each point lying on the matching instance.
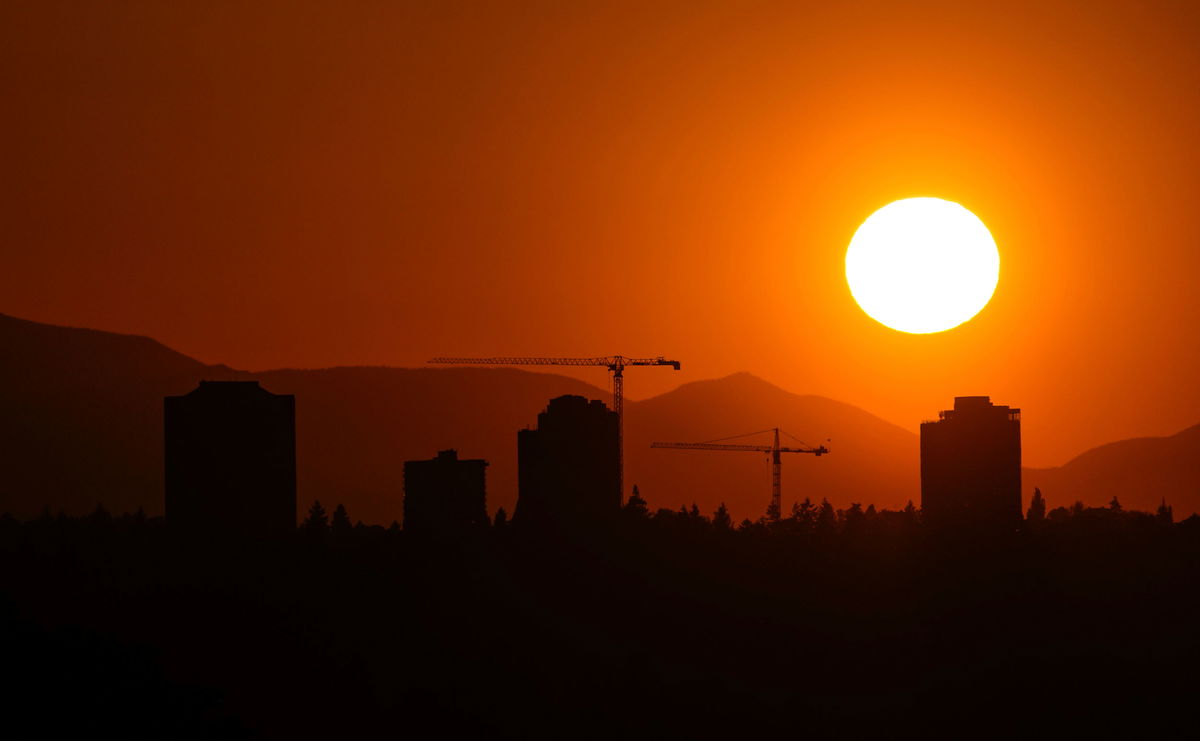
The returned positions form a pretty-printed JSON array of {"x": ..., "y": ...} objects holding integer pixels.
[{"x": 922, "y": 265}]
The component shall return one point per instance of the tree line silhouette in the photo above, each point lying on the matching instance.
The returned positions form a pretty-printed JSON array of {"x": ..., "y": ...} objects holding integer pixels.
[
  {"x": 805, "y": 520},
  {"x": 671, "y": 622}
]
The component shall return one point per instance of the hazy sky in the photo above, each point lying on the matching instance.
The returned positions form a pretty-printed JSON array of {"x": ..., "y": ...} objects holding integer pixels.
[{"x": 312, "y": 184}]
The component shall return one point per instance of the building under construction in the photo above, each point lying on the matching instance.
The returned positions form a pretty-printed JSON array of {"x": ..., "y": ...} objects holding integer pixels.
[
  {"x": 971, "y": 466},
  {"x": 569, "y": 467}
]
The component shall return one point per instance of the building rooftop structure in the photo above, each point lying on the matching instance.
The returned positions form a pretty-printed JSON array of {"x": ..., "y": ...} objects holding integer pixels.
[{"x": 967, "y": 405}]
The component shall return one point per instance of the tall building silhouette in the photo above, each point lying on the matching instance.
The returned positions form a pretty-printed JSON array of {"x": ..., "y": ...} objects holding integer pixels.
[
  {"x": 230, "y": 459},
  {"x": 971, "y": 466},
  {"x": 569, "y": 467},
  {"x": 445, "y": 494}
]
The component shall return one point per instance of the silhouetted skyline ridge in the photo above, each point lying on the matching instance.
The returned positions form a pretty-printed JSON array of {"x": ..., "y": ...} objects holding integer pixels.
[{"x": 83, "y": 425}]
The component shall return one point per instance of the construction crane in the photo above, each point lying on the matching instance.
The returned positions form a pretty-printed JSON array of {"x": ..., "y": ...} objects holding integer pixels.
[
  {"x": 774, "y": 449},
  {"x": 616, "y": 365}
]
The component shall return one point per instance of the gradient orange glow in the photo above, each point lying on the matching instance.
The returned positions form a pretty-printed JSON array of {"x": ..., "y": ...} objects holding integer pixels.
[{"x": 310, "y": 184}]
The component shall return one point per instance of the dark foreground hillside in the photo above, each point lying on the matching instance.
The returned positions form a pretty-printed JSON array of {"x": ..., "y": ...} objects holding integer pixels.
[{"x": 669, "y": 627}]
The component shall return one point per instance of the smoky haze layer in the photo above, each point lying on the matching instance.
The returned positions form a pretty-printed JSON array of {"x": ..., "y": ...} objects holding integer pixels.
[{"x": 82, "y": 425}]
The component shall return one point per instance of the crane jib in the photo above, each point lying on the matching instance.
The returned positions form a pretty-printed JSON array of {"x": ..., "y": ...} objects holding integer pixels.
[
  {"x": 615, "y": 365},
  {"x": 776, "y": 460}
]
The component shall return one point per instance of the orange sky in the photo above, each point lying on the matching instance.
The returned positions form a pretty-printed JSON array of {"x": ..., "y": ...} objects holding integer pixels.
[{"x": 310, "y": 184}]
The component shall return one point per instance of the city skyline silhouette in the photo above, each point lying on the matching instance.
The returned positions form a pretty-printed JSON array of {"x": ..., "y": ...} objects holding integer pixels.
[
  {"x": 896, "y": 613},
  {"x": 130, "y": 375}
]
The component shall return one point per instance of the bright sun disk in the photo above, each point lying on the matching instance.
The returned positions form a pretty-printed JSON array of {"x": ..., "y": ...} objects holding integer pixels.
[{"x": 922, "y": 265}]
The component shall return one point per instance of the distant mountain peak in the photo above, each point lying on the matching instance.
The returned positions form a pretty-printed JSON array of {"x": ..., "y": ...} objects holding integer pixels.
[
  {"x": 739, "y": 381},
  {"x": 1140, "y": 471}
]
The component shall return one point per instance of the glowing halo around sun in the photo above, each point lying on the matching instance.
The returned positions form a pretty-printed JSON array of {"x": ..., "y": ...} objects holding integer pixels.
[{"x": 922, "y": 265}]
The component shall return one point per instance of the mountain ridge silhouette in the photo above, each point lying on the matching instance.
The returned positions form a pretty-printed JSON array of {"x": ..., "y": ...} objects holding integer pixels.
[
  {"x": 82, "y": 425},
  {"x": 1156, "y": 468}
]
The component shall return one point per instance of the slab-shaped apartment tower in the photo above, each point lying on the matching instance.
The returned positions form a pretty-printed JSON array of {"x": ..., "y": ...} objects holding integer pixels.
[
  {"x": 230, "y": 459},
  {"x": 445, "y": 494},
  {"x": 971, "y": 466},
  {"x": 569, "y": 467}
]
